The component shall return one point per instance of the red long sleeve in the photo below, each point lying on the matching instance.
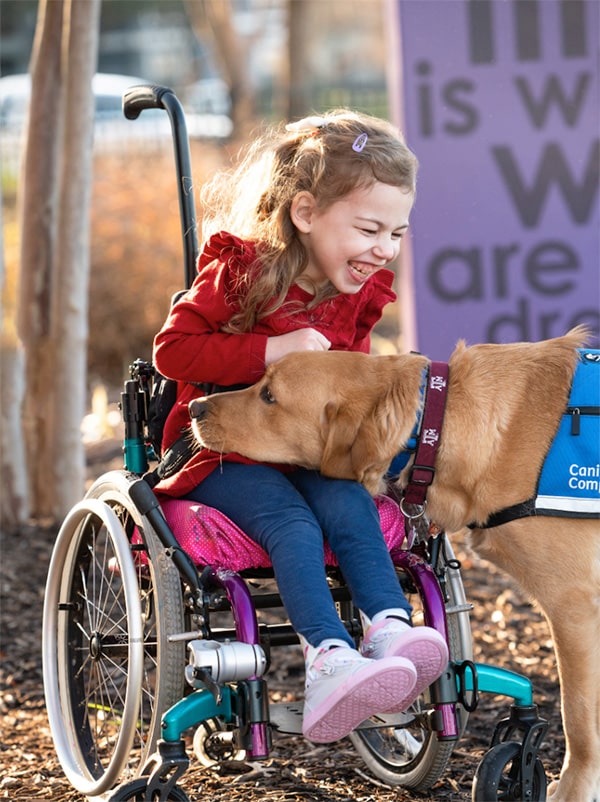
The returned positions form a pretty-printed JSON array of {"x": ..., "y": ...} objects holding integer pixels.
[{"x": 191, "y": 346}]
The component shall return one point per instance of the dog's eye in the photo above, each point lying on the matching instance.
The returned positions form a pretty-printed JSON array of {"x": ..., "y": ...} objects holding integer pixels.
[{"x": 266, "y": 395}]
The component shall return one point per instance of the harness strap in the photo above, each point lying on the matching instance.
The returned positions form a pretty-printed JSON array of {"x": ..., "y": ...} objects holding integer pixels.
[
  {"x": 423, "y": 469},
  {"x": 174, "y": 458},
  {"x": 524, "y": 509}
]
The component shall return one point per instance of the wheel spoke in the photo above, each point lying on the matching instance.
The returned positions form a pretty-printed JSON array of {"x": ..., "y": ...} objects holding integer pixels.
[{"x": 102, "y": 724}]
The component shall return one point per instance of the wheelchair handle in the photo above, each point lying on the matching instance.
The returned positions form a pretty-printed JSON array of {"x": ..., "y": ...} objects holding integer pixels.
[
  {"x": 144, "y": 96},
  {"x": 135, "y": 100}
]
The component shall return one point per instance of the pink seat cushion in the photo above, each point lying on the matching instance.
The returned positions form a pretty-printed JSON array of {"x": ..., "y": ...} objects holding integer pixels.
[{"x": 210, "y": 538}]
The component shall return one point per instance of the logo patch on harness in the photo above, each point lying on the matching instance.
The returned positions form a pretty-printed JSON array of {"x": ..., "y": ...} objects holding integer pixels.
[
  {"x": 430, "y": 437},
  {"x": 569, "y": 484}
]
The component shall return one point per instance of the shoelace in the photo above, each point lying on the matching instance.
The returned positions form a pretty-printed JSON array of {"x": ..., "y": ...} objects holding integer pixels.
[{"x": 329, "y": 664}]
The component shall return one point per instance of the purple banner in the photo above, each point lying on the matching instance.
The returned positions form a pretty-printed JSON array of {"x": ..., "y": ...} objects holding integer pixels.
[{"x": 501, "y": 106}]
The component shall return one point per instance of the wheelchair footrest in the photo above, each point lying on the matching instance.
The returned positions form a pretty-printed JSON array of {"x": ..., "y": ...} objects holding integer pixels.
[{"x": 287, "y": 718}]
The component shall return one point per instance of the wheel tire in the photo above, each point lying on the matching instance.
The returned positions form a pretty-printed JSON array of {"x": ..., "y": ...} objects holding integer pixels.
[
  {"x": 498, "y": 776},
  {"x": 209, "y": 750},
  {"x": 135, "y": 791},
  {"x": 108, "y": 614},
  {"x": 412, "y": 756}
]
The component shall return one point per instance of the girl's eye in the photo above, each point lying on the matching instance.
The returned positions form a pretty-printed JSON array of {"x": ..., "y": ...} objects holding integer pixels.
[{"x": 369, "y": 231}]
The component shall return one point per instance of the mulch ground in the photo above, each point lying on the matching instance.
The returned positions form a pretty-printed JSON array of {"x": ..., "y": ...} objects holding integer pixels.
[{"x": 508, "y": 631}]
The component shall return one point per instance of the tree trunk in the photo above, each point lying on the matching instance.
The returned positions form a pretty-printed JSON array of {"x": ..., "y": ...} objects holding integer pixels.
[
  {"x": 300, "y": 22},
  {"x": 38, "y": 204},
  {"x": 14, "y": 499},
  {"x": 69, "y": 309},
  {"x": 56, "y": 187},
  {"x": 215, "y": 19}
]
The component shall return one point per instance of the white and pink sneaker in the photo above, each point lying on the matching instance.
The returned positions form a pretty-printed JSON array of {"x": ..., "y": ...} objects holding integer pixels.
[
  {"x": 343, "y": 689},
  {"x": 424, "y": 647}
]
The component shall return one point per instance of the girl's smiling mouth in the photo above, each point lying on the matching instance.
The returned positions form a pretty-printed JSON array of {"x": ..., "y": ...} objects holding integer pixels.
[{"x": 361, "y": 270}]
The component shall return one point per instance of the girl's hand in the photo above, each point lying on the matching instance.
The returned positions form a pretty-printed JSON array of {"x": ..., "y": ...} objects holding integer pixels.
[{"x": 299, "y": 340}]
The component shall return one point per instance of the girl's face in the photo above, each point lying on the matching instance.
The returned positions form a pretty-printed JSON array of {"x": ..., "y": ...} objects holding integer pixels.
[{"x": 352, "y": 239}]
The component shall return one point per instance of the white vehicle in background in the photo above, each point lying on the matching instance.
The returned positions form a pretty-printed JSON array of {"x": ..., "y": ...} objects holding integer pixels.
[{"x": 111, "y": 130}]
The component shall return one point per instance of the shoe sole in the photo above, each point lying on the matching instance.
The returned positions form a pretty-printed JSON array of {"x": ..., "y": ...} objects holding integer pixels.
[
  {"x": 374, "y": 689},
  {"x": 428, "y": 653}
]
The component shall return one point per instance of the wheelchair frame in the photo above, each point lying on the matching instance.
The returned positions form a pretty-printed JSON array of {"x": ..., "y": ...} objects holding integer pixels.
[{"x": 116, "y": 626}]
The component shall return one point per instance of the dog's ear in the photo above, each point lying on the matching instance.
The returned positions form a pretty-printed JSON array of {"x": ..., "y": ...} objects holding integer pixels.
[
  {"x": 339, "y": 428},
  {"x": 356, "y": 446},
  {"x": 372, "y": 453}
]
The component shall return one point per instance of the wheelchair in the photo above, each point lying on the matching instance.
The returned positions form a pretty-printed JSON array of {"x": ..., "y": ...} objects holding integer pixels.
[{"x": 145, "y": 646}]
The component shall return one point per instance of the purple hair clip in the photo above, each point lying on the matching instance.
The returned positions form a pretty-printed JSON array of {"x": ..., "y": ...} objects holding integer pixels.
[{"x": 359, "y": 143}]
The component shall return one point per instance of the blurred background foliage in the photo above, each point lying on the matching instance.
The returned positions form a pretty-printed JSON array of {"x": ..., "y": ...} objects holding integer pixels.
[{"x": 137, "y": 254}]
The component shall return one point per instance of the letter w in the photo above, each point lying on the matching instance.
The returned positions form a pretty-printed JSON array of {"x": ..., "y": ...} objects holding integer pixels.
[
  {"x": 554, "y": 95},
  {"x": 529, "y": 201}
]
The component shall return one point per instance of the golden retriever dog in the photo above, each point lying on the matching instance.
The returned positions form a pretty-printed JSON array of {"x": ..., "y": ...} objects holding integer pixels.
[{"x": 348, "y": 414}]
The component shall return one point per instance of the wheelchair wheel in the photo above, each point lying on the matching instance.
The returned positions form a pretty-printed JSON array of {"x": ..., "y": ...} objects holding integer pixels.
[
  {"x": 213, "y": 744},
  {"x": 135, "y": 791},
  {"x": 112, "y": 601},
  {"x": 411, "y": 755},
  {"x": 498, "y": 776}
]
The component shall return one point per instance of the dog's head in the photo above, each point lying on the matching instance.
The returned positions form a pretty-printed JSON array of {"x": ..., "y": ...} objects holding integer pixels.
[{"x": 345, "y": 414}]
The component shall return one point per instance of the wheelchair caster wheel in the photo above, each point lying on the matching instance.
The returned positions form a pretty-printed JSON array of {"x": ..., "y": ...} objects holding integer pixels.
[
  {"x": 135, "y": 791},
  {"x": 498, "y": 777},
  {"x": 213, "y": 744}
]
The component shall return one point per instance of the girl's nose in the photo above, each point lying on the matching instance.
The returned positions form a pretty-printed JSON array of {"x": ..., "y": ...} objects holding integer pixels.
[{"x": 386, "y": 248}]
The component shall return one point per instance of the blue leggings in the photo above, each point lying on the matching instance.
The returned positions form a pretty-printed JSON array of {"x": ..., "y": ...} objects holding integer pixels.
[{"x": 288, "y": 515}]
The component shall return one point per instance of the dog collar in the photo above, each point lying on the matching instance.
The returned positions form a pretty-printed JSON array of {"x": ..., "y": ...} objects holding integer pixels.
[{"x": 423, "y": 470}]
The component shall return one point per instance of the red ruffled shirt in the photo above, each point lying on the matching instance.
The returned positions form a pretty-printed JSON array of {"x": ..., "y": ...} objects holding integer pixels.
[{"x": 192, "y": 347}]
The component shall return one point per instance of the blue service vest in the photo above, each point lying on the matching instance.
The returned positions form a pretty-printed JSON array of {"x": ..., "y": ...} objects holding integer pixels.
[{"x": 569, "y": 483}]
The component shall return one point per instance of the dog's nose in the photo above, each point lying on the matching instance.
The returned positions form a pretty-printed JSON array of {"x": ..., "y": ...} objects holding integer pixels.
[{"x": 197, "y": 408}]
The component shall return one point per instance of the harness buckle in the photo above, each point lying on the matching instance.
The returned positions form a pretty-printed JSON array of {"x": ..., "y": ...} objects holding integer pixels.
[{"x": 417, "y": 479}]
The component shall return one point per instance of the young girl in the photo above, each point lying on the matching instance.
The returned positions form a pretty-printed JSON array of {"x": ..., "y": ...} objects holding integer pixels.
[{"x": 316, "y": 212}]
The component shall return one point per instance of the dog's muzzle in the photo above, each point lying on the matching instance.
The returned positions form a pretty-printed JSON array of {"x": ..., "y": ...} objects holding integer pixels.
[{"x": 198, "y": 409}]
